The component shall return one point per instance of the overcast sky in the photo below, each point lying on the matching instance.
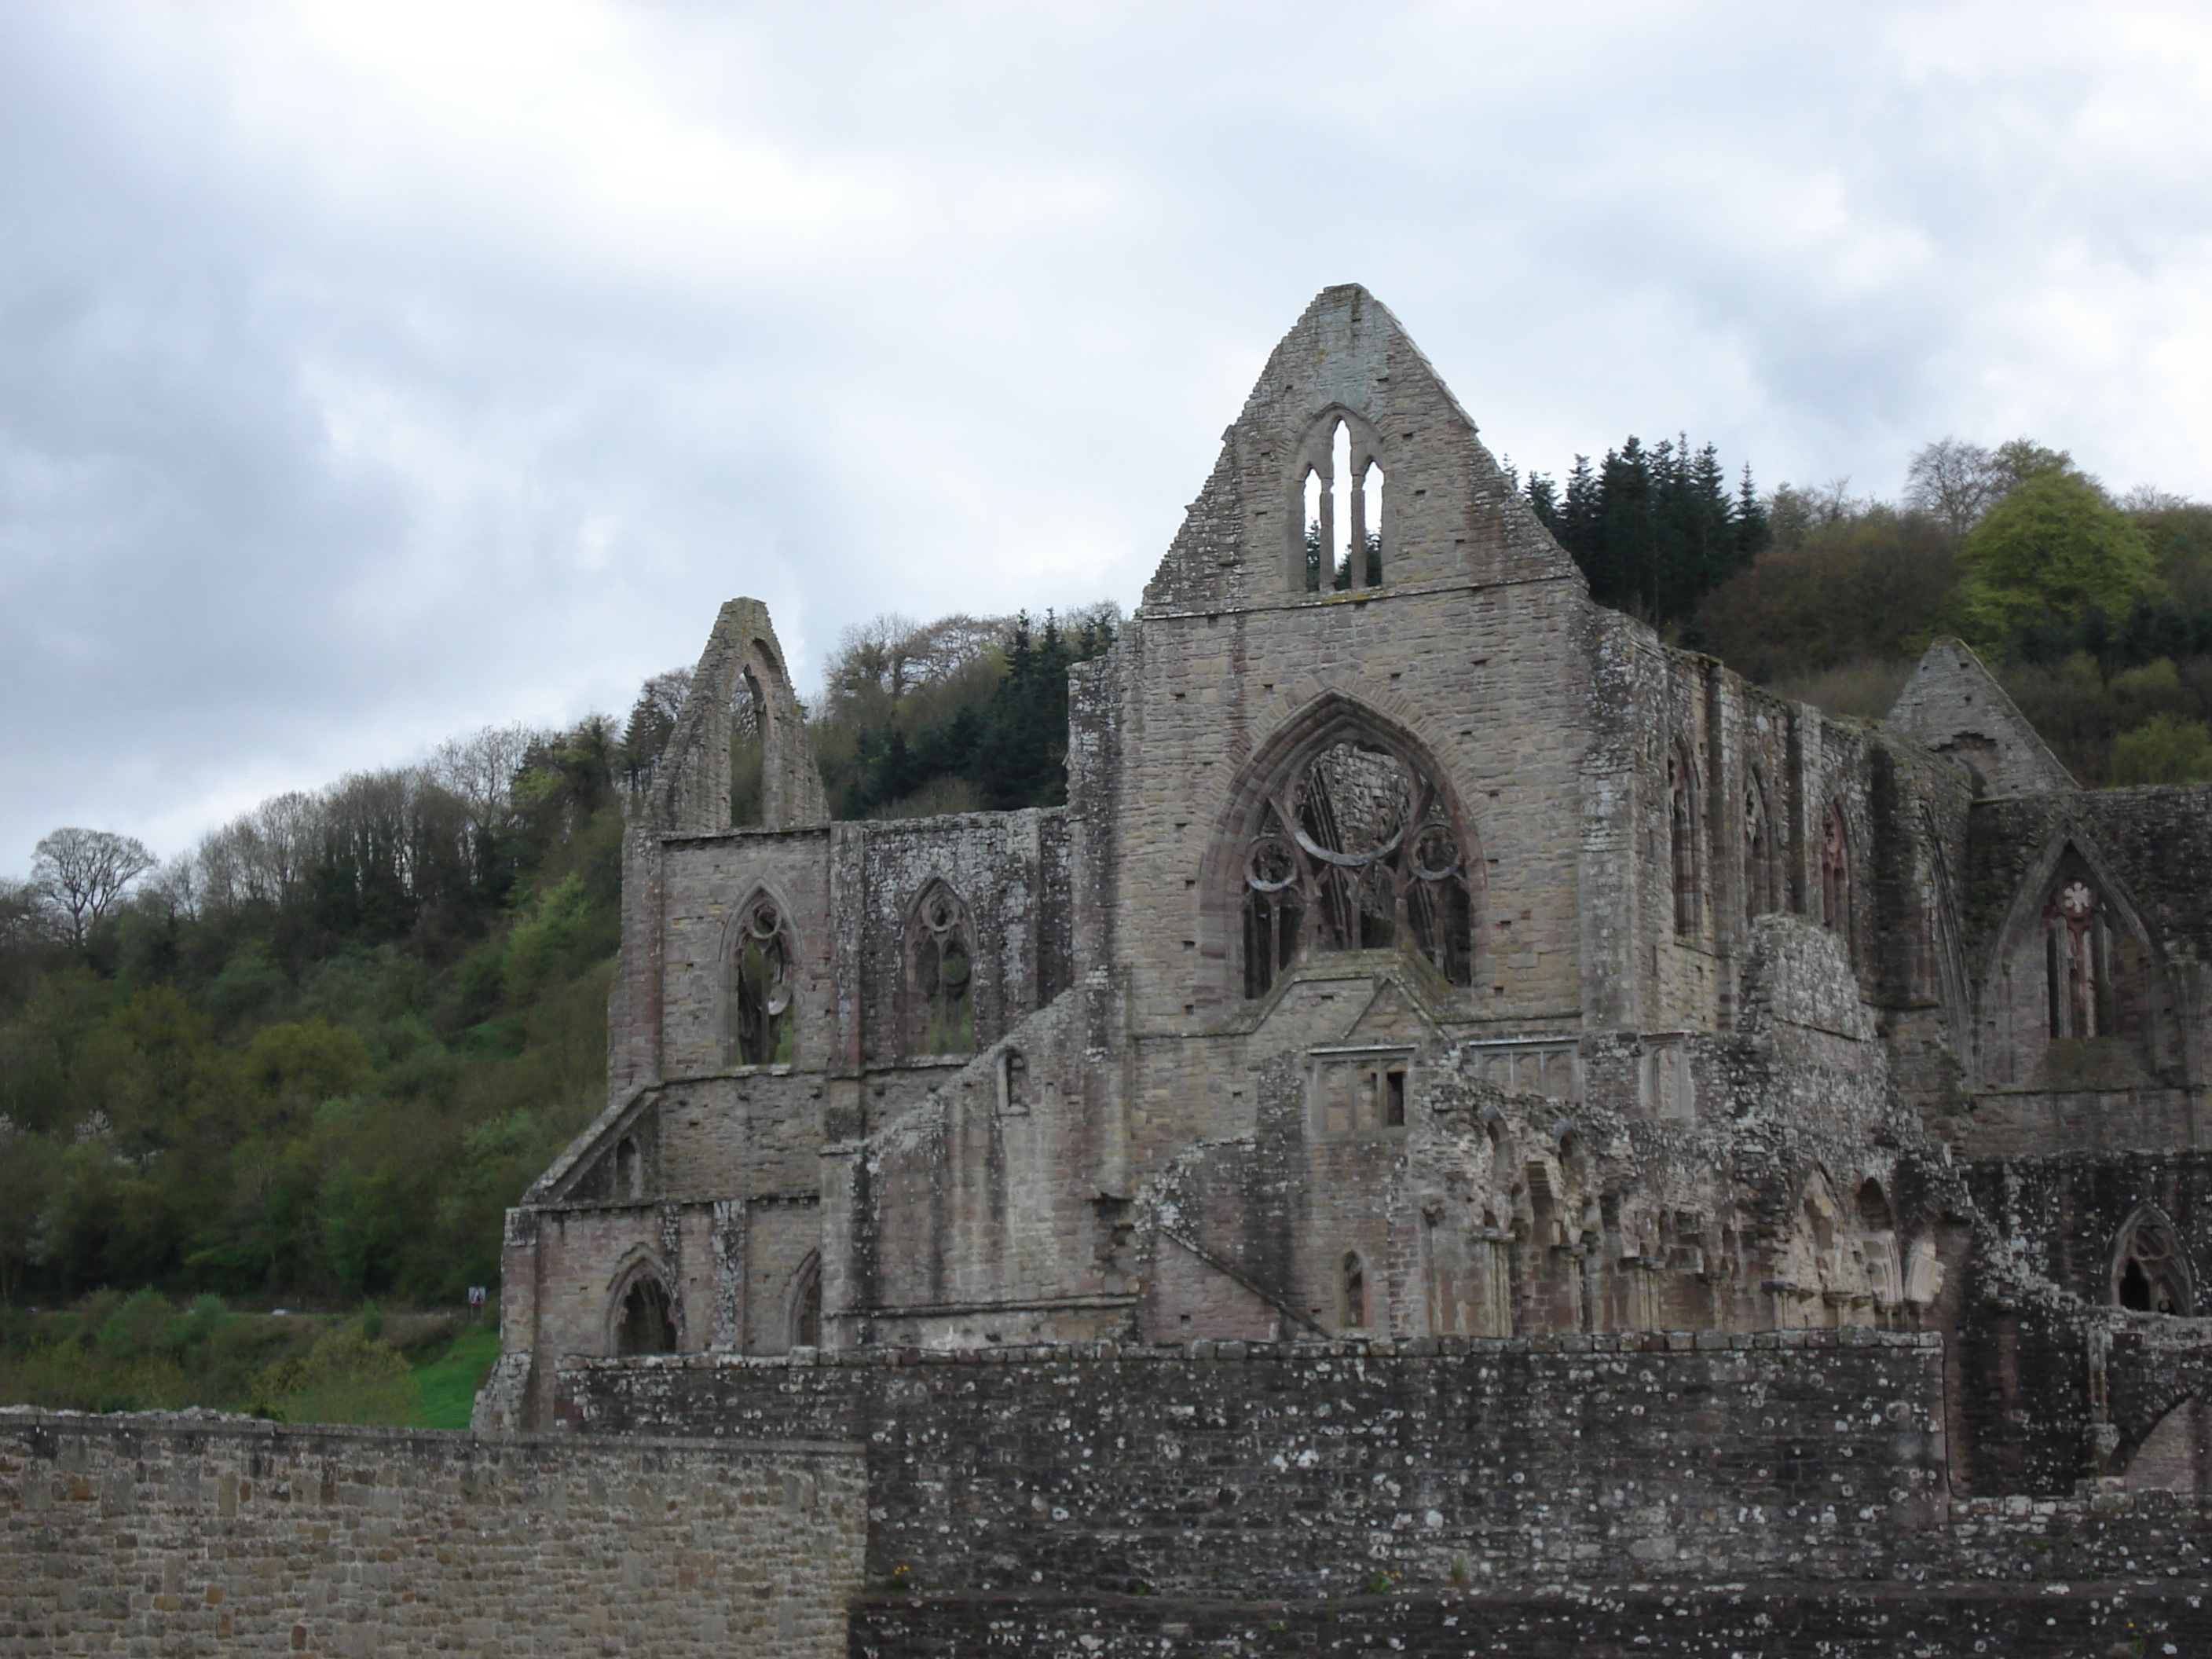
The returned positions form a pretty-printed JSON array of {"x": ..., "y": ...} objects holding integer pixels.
[{"x": 370, "y": 373}]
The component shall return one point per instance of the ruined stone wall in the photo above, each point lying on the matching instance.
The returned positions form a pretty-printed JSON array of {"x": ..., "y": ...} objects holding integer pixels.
[
  {"x": 981, "y": 1212},
  {"x": 1300, "y": 1470},
  {"x": 2148, "y": 854},
  {"x": 206, "y": 1536},
  {"x": 1735, "y": 1621},
  {"x": 2058, "y": 1383}
]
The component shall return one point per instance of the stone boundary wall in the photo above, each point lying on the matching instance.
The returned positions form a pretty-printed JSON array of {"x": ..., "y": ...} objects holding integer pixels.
[
  {"x": 186, "y": 1535},
  {"x": 1735, "y": 1621},
  {"x": 1300, "y": 1470}
]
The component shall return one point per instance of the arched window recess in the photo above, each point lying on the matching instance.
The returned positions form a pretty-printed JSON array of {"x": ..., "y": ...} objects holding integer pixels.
[
  {"x": 940, "y": 960},
  {"x": 1339, "y": 486},
  {"x": 1682, "y": 842},
  {"x": 762, "y": 1029},
  {"x": 1836, "y": 876},
  {"x": 2079, "y": 955},
  {"x": 2150, "y": 1269},
  {"x": 644, "y": 1319},
  {"x": 1358, "y": 849},
  {"x": 806, "y": 1304}
]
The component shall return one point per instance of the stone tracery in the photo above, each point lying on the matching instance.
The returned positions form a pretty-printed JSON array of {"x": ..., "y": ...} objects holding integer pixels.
[
  {"x": 761, "y": 1019},
  {"x": 1359, "y": 851}
]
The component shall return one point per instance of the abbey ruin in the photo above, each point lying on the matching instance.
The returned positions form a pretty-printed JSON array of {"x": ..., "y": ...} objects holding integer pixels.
[{"x": 1464, "y": 1099}]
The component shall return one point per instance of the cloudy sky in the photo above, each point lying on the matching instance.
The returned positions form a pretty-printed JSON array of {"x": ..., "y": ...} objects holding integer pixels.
[{"x": 369, "y": 373}]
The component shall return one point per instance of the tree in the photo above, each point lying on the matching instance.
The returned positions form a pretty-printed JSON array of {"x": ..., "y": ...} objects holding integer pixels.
[
  {"x": 86, "y": 871},
  {"x": 2055, "y": 547},
  {"x": 1954, "y": 483}
]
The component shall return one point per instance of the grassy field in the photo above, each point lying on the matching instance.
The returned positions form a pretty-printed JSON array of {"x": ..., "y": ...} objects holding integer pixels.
[{"x": 451, "y": 1381}]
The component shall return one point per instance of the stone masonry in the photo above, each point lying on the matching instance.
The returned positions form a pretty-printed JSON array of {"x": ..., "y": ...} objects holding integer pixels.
[{"x": 1425, "y": 957}]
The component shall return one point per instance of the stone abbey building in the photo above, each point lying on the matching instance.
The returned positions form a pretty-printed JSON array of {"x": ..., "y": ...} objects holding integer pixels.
[{"x": 1434, "y": 983}]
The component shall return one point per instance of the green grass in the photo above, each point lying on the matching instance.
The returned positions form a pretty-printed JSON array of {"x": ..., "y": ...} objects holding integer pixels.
[{"x": 451, "y": 1381}]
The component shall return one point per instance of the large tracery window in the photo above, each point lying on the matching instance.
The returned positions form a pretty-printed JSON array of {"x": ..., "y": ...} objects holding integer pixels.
[
  {"x": 761, "y": 1003},
  {"x": 940, "y": 986},
  {"x": 1341, "y": 499},
  {"x": 1359, "y": 851},
  {"x": 2078, "y": 961}
]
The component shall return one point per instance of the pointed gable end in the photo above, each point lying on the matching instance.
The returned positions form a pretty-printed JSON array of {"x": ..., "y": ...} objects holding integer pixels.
[
  {"x": 1351, "y": 466},
  {"x": 1954, "y": 706}
]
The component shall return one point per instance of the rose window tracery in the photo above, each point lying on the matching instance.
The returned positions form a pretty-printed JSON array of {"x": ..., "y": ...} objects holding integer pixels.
[{"x": 1359, "y": 851}]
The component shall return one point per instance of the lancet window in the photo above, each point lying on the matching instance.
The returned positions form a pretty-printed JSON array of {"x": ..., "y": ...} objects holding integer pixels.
[
  {"x": 1341, "y": 500},
  {"x": 1682, "y": 838},
  {"x": 1758, "y": 881},
  {"x": 940, "y": 976},
  {"x": 1353, "y": 1276},
  {"x": 806, "y": 1305},
  {"x": 2077, "y": 944},
  {"x": 1358, "y": 850},
  {"x": 1836, "y": 876},
  {"x": 761, "y": 1014}
]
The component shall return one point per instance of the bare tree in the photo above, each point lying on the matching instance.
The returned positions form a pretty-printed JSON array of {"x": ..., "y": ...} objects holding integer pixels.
[
  {"x": 1955, "y": 482},
  {"x": 480, "y": 768},
  {"x": 86, "y": 871}
]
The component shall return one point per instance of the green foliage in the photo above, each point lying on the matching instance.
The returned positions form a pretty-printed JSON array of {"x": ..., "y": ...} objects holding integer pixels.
[
  {"x": 2164, "y": 749},
  {"x": 449, "y": 1382},
  {"x": 960, "y": 715},
  {"x": 380, "y": 1014},
  {"x": 2053, "y": 548},
  {"x": 344, "y": 1378},
  {"x": 1872, "y": 584},
  {"x": 1653, "y": 530}
]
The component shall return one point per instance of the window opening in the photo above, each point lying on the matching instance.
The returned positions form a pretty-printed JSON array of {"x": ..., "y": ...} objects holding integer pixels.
[
  {"x": 629, "y": 1176},
  {"x": 1683, "y": 833},
  {"x": 1340, "y": 507},
  {"x": 2151, "y": 1273},
  {"x": 1757, "y": 854},
  {"x": 1393, "y": 1100},
  {"x": 1354, "y": 1273},
  {"x": 765, "y": 1026},
  {"x": 1874, "y": 1208},
  {"x": 2078, "y": 962},
  {"x": 1359, "y": 853},
  {"x": 1013, "y": 1081},
  {"x": 943, "y": 958},
  {"x": 648, "y": 1322},
  {"x": 1369, "y": 500},
  {"x": 806, "y": 1306},
  {"x": 1315, "y": 521},
  {"x": 1836, "y": 876}
]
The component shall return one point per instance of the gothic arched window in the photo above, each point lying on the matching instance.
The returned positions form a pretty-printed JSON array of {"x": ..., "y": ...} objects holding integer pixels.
[
  {"x": 2077, "y": 947},
  {"x": 1340, "y": 507},
  {"x": 940, "y": 976},
  {"x": 1358, "y": 850},
  {"x": 2150, "y": 1270},
  {"x": 1836, "y": 876},
  {"x": 1352, "y": 1286},
  {"x": 1759, "y": 883},
  {"x": 806, "y": 1304},
  {"x": 647, "y": 1322},
  {"x": 760, "y": 1014},
  {"x": 1682, "y": 839}
]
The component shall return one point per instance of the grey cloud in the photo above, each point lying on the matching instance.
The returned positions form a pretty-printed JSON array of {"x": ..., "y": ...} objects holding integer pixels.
[{"x": 348, "y": 404}]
